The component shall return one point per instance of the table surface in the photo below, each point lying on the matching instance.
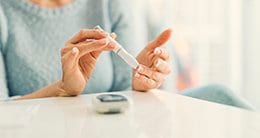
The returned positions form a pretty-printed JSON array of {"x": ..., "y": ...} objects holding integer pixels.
[{"x": 156, "y": 114}]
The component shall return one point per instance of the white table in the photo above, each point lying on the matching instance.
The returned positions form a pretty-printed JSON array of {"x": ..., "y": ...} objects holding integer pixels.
[{"x": 155, "y": 114}]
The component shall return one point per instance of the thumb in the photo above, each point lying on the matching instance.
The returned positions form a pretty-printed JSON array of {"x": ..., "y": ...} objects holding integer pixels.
[{"x": 160, "y": 40}]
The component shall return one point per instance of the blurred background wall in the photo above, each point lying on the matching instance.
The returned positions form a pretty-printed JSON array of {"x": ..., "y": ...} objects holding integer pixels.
[{"x": 216, "y": 41}]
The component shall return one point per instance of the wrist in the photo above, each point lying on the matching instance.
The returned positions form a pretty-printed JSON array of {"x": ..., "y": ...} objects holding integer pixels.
[{"x": 61, "y": 92}]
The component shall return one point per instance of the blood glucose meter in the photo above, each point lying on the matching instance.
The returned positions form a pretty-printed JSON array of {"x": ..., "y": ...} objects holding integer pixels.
[{"x": 110, "y": 103}]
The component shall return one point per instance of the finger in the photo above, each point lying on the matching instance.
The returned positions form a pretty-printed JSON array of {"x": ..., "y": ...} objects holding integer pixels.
[
  {"x": 69, "y": 60},
  {"x": 97, "y": 45},
  {"x": 113, "y": 35},
  {"x": 151, "y": 74},
  {"x": 87, "y": 34},
  {"x": 87, "y": 47},
  {"x": 160, "y": 40},
  {"x": 110, "y": 46},
  {"x": 162, "y": 53},
  {"x": 162, "y": 66},
  {"x": 146, "y": 82}
]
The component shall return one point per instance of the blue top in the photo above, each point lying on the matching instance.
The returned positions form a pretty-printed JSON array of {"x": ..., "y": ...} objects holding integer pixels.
[{"x": 31, "y": 38}]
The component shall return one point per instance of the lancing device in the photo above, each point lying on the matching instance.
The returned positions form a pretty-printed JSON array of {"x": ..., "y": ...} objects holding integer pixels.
[{"x": 120, "y": 51}]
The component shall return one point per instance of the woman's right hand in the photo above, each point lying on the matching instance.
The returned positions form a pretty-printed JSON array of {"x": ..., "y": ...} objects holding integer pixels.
[{"x": 79, "y": 57}]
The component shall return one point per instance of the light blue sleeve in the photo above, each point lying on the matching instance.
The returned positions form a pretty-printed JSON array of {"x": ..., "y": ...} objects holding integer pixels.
[
  {"x": 3, "y": 39},
  {"x": 121, "y": 19}
]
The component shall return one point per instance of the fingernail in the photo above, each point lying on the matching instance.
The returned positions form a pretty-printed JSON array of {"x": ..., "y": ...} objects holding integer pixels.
[
  {"x": 74, "y": 50},
  {"x": 112, "y": 46},
  {"x": 158, "y": 63},
  {"x": 113, "y": 33},
  {"x": 157, "y": 51},
  {"x": 140, "y": 69}
]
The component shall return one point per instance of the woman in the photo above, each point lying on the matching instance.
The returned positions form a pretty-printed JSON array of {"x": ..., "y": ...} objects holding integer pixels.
[{"x": 32, "y": 32}]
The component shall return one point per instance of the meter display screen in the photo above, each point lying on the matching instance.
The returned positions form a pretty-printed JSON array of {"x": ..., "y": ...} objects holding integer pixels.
[{"x": 111, "y": 98}]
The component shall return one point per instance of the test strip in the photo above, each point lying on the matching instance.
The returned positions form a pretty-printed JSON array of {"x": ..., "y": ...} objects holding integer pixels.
[{"x": 121, "y": 52}]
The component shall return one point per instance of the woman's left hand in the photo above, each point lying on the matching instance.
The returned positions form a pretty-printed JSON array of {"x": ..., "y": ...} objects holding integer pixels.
[{"x": 154, "y": 64}]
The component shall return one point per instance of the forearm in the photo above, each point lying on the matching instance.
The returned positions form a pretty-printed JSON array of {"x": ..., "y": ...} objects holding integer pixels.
[{"x": 52, "y": 90}]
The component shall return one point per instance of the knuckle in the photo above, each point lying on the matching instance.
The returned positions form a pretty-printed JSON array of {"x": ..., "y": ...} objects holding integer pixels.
[
  {"x": 63, "y": 51},
  {"x": 82, "y": 32},
  {"x": 146, "y": 86},
  {"x": 146, "y": 73},
  {"x": 96, "y": 31},
  {"x": 156, "y": 76},
  {"x": 64, "y": 58},
  {"x": 153, "y": 75}
]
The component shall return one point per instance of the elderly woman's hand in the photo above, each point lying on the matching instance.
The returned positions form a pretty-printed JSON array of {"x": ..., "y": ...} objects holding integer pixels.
[
  {"x": 155, "y": 64},
  {"x": 79, "y": 57}
]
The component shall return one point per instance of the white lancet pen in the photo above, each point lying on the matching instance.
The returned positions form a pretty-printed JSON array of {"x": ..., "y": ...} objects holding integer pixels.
[{"x": 120, "y": 51}]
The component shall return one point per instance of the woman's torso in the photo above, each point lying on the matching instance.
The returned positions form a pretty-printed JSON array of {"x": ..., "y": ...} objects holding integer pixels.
[{"x": 35, "y": 37}]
